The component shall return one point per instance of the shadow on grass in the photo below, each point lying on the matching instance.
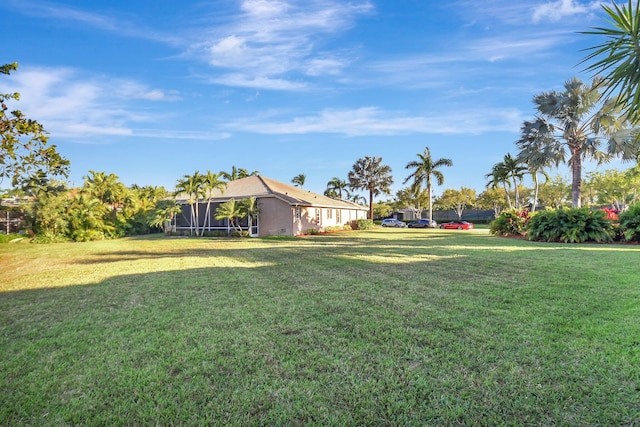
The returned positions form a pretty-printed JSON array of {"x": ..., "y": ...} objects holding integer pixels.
[{"x": 324, "y": 337}]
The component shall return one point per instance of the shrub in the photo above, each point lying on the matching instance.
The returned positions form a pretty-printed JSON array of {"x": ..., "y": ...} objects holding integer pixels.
[
  {"x": 573, "y": 225},
  {"x": 630, "y": 223},
  {"x": 6, "y": 238},
  {"x": 510, "y": 223},
  {"x": 364, "y": 224}
]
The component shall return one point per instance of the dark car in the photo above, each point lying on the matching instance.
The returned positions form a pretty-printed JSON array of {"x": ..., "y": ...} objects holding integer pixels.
[
  {"x": 457, "y": 225},
  {"x": 422, "y": 223}
]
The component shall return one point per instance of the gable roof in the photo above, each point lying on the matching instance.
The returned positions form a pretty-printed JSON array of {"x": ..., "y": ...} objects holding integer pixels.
[{"x": 259, "y": 186}]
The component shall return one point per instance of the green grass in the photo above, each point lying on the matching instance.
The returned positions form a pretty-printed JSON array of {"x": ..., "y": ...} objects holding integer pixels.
[{"x": 386, "y": 327}]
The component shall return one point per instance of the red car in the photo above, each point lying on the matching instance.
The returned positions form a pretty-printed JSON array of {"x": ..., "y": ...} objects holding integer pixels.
[{"x": 457, "y": 225}]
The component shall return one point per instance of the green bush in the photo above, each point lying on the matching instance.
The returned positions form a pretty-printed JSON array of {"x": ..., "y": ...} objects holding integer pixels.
[
  {"x": 630, "y": 223},
  {"x": 364, "y": 224},
  {"x": 573, "y": 225},
  {"x": 510, "y": 223},
  {"x": 6, "y": 238}
]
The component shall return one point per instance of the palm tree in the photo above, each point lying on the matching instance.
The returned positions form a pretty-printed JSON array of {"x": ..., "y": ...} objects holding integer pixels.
[
  {"x": 499, "y": 177},
  {"x": 618, "y": 57},
  {"x": 231, "y": 210},
  {"x": 575, "y": 120},
  {"x": 358, "y": 199},
  {"x": 191, "y": 185},
  {"x": 299, "y": 180},
  {"x": 514, "y": 171},
  {"x": 163, "y": 214},
  {"x": 252, "y": 210},
  {"x": 370, "y": 174},
  {"x": 237, "y": 173},
  {"x": 535, "y": 165},
  {"x": 425, "y": 169},
  {"x": 108, "y": 189},
  {"x": 211, "y": 182},
  {"x": 337, "y": 187}
]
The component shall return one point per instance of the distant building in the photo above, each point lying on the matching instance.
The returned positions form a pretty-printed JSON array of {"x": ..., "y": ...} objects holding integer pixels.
[{"x": 283, "y": 209}]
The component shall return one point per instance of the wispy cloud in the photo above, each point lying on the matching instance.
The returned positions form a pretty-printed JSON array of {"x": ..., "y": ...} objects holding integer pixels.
[
  {"x": 556, "y": 10},
  {"x": 73, "y": 105},
  {"x": 102, "y": 21},
  {"x": 268, "y": 41},
  {"x": 370, "y": 121}
]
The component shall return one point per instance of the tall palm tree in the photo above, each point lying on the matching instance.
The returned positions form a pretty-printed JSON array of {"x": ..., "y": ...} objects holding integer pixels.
[
  {"x": 211, "y": 182},
  {"x": 370, "y": 174},
  {"x": 573, "y": 122},
  {"x": 299, "y": 180},
  {"x": 424, "y": 169},
  {"x": 191, "y": 186},
  {"x": 337, "y": 187}
]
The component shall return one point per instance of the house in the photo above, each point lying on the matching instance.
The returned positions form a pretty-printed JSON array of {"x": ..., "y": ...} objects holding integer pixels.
[{"x": 283, "y": 209}]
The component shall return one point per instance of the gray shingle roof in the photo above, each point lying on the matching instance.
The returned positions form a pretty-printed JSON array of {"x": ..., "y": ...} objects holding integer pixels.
[{"x": 259, "y": 186}]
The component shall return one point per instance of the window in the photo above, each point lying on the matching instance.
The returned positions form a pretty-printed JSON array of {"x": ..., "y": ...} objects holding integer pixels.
[
  {"x": 329, "y": 213},
  {"x": 319, "y": 216},
  {"x": 338, "y": 219},
  {"x": 298, "y": 212}
]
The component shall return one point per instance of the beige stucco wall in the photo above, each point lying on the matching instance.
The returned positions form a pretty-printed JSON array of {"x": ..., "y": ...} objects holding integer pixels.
[{"x": 279, "y": 218}]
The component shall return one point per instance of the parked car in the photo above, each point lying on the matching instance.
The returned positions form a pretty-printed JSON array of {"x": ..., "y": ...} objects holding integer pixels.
[
  {"x": 457, "y": 225},
  {"x": 422, "y": 223},
  {"x": 392, "y": 222}
]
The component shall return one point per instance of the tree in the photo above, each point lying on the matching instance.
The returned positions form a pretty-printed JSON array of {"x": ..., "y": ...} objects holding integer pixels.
[
  {"x": 492, "y": 198},
  {"x": 337, "y": 188},
  {"x": 211, "y": 182},
  {"x": 252, "y": 210},
  {"x": 499, "y": 176},
  {"x": 458, "y": 200},
  {"x": 613, "y": 187},
  {"x": 425, "y": 169},
  {"x": 514, "y": 171},
  {"x": 618, "y": 57},
  {"x": 24, "y": 153},
  {"x": 163, "y": 214},
  {"x": 237, "y": 173},
  {"x": 86, "y": 219},
  {"x": 231, "y": 210},
  {"x": 382, "y": 209},
  {"x": 414, "y": 198},
  {"x": 576, "y": 121},
  {"x": 192, "y": 185},
  {"x": 299, "y": 180},
  {"x": 370, "y": 174},
  {"x": 555, "y": 193}
]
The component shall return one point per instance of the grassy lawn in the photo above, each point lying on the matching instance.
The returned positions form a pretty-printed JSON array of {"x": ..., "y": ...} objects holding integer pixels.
[{"x": 385, "y": 327}]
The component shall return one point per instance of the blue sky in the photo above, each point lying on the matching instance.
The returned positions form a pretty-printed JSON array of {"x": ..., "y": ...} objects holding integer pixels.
[{"x": 152, "y": 90}]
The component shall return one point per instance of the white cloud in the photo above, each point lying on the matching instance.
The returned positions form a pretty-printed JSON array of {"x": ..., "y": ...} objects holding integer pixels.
[
  {"x": 94, "y": 20},
  {"x": 374, "y": 121},
  {"x": 556, "y": 10},
  {"x": 271, "y": 40},
  {"x": 257, "y": 82},
  {"x": 72, "y": 105}
]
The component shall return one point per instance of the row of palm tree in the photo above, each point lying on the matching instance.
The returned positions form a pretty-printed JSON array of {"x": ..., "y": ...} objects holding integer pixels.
[{"x": 196, "y": 187}]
